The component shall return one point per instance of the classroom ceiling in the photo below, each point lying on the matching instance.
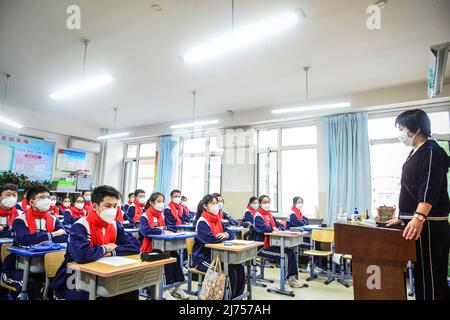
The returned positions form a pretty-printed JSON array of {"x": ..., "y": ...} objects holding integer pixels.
[{"x": 141, "y": 49}]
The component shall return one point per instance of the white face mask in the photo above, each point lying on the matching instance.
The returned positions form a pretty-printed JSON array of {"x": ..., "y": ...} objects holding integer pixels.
[
  {"x": 159, "y": 206},
  {"x": 108, "y": 215},
  {"x": 299, "y": 206},
  {"x": 52, "y": 202},
  {"x": 177, "y": 200},
  {"x": 266, "y": 206},
  {"x": 43, "y": 205},
  {"x": 66, "y": 204},
  {"x": 142, "y": 200},
  {"x": 79, "y": 205},
  {"x": 214, "y": 209},
  {"x": 405, "y": 139},
  {"x": 9, "y": 202}
]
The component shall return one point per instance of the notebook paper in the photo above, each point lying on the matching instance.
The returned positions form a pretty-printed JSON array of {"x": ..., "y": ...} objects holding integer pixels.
[{"x": 116, "y": 261}]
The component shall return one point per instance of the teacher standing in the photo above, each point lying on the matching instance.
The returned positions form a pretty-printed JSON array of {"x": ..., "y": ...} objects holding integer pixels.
[{"x": 424, "y": 205}]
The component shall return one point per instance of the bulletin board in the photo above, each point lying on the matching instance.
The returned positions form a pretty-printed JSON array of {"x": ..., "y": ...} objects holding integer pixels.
[
  {"x": 70, "y": 160},
  {"x": 25, "y": 155}
]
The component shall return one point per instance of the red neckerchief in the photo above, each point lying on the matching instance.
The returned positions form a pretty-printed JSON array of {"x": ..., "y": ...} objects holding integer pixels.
[
  {"x": 63, "y": 208},
  {"x": 31, "y": 215},
  {"x": 11, "y": 213},
  {"x": 252, "y": 211},
  {"x": 77, "y": 213},
  {"x": 54, "y": 210},
  {"x": 24, "y": 204},
  {"x": 96, "y": 224},
  {"x": 151, "y": 214},
  {"x": 269, "y": 221},
  {"x": 214, "y": 222},
  {"x": 177, "y": 212},
  {"x": 138, "y": 211},
  {"x": 297, "y": 212},
  {"x": 87, "y": 206},
  {"x": 119, "y": 214}
]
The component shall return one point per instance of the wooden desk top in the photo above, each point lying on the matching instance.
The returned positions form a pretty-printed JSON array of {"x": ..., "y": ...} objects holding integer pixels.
[
  {"x": 286, "y": 234},
  {"x": 105, "y": 270},
  {"x": 234, "y": 248}
]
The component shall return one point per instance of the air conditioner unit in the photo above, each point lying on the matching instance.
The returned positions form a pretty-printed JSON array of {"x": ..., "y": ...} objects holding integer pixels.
[{"x": 85, "y": 146}]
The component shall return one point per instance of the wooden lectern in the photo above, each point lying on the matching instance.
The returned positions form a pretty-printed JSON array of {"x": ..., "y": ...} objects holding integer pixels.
[{"x": 379, "y": 259}]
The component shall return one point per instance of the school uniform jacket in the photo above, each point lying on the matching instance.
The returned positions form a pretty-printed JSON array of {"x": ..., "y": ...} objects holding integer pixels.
[
  {"x": 80, "y": 251},
  {"x": 145, "y": 229},
  {"x": 295, "y": 222},
  {"x": 8, "y": 231},
  {"x": 25, "y": 238},
  {"x": 261, "y": 227},
  {"x": 231, "y": 221},
  {"x": 129, "y": 215},
  {"x": 248, "y": 217},
  {"x": 171, "y": 223},
  {"x": 69, "y": 219},
  {"x": 204, "y": 236}
]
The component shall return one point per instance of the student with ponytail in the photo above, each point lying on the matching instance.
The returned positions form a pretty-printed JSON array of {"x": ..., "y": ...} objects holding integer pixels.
[
  {"x": 265, "y": 223},
  {"x": 297, "y": 218},
  {"x": 76, "y": 211},
  {"x": 249, "y": 214},
  {"x": 210, "y": 229},
  {"x": 95, "y": 236},
  {"x": 153, "y": 223}
]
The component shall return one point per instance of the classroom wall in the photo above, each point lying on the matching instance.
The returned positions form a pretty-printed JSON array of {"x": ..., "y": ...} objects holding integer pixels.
[{"x": 112, "y": 169}]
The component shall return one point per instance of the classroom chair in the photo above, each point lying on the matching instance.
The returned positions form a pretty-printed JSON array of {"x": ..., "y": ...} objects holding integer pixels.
[
  {"x": 325, "y": 237},
  {"x": 193, "y": 270},
  {"x": 4, "y": 254},
  {"x": 411, "y": 290},
  {"x": 345, "y": 269},
  {"x": 52, "y": 262}
]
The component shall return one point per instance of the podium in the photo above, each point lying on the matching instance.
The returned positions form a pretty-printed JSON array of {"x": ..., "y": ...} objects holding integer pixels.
[{"x": 379, "y": 259}]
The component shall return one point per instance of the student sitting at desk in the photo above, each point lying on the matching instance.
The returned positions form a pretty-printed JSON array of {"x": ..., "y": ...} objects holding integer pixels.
[
  {"x": 174, "y": 214},
  {"x": 129, "y": 202},
  {"x": 54, "y": 210},
  {"x": 87, "y": 200},
  {"x": 189, "y": 213},
  {"x": 225, "y": 217},
  {"x": 153, "y": 223},
  {"x": 23, "y": 205},
  {"x": 76, "y": 211},
  {"x": 94, "y": 237},
  {"x": 121, "y": 217},
  {"x": 210, "y": 229},
  {"x": 8, "y": 211},
  {"x": 249, "y": 214},
  {"x": 135, "y": 210},
  {"x": 265, "y": 223},
  {"x": 33, "y": 227},
  {"x": 65, "y": 205},
  {"x": 297, "y": 219}
]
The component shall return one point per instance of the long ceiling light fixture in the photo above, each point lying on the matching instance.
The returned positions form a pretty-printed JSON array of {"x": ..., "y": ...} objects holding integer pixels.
[
  {"x": 114, "y": 135},
  {"x": 4, "y": 119},
  {"x": 243, "y": 36},
  {"x": 194, "y": 124},
  {"x": 308, "y": 107},
  {"x": 86, "y": 84}
]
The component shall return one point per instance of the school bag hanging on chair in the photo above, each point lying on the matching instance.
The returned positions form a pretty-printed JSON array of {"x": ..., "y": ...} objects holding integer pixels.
[{"x": 213, "y": 287}]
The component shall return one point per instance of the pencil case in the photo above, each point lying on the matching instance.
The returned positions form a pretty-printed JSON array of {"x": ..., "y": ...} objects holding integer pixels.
[{"x": 154, "y": 256}]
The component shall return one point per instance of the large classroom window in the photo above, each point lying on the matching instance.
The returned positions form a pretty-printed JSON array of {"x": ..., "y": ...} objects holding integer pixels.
[
  {"x": 139, "y": 167},
  {"x": 287, "y": 167},
  {"x": 201, "y": 168},
  {"x": 388, "y": 155}
]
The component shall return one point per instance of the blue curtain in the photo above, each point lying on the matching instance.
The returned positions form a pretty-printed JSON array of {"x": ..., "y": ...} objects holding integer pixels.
[
  {"x": 166, "y": 164},
  {"x": 349, "y": 170}
]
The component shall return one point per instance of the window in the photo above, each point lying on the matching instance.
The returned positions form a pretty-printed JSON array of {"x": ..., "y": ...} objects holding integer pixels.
[
  {"x": 201, "y": 159},
  {"x": 139, "y": 168},
  {"x": 288, "y": 168},
  {"x": 387, "y": 156}
]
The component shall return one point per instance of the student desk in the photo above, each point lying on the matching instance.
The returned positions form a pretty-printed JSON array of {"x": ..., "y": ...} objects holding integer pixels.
[
  {"x": 104, "y": 280},
  {"x": 133, "y": 231},
  {"x": 171, "y": 242},
  {"x": 236, "y": 230},
  {"x": 236, "y": 254},
  {"x": 30, "y": 261},
  {"x": 186, "y": 227},
  {"x": 284, "y": 239},
  {"x": 5, "y": 240}
]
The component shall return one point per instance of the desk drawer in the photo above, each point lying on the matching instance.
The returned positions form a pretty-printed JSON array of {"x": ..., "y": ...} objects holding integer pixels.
[
  {"x": 235, "y": 257},
  {"x": 112, "y": 286},
  {"x": 288, "y": 242},
  {"x": 172, "y": 245}
]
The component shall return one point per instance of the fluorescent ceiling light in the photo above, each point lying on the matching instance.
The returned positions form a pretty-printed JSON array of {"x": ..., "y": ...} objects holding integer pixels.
[
  {"x": 82, "y": 87},
  {"x": 194, "y": 124},
  {"x": 243, "y": 36},
  {"x": 10, "y": 122},
  {"x": 113, "y": 135},
  {"x": 313, "y": 107}
]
